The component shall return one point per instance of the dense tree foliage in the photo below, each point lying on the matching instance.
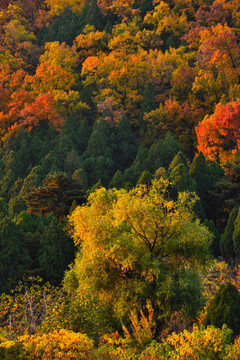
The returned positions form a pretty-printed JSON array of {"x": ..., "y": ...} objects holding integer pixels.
[
  {"x": 146, "y": 242},
  {"x": 119, "y": 132},
  {"x": 224, "y": 308},
  {"x": 218, "y": 134}
]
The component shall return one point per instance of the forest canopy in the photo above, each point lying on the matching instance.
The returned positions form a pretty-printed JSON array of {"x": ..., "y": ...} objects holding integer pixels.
[
  {"x": 119, "y": 181},
  {"x": 132, "y": 243}
]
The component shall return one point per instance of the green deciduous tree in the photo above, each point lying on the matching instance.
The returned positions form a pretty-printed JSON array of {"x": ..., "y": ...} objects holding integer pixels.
[{"x": 197, "y": 344}]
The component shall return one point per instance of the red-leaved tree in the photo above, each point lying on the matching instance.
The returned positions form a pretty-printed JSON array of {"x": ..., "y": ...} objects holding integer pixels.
[{"x": 219, "y": 134}]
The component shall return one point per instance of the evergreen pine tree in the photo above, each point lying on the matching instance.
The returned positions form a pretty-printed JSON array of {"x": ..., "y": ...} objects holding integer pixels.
[
  {"x": 170, "y": 148},
  {"x": 83, "y": 134},
  {"x": 180, "y": 158},
  {"x": 148, "y": 101},
  {"x": 14, "y": 259},
  {"x": 226, "y": 193},
  {"x": 33, "y": 180},
  {"x": 99, "y": 141},
  {"x": 236, "y": 236},
  {"x": 145, "y": 178},
  {"x": 56, "y": 252},
  {"x": 97, "y": 159},
  {"x": 179, "y": 174},
  {"x": 91, "y": 15},
  {"x": 117, "y": 180},
  {"x": 145, "y": 6},
  {"x": 64, "y": 28},
  {"x": 206, "y": 177},
  {"x": 148, "y": 104},
  {"x": 155, "y": 154},
  {"x": 70, "y": 129},
  {"x": 224, "y": 308},
  {"x": 226, "y": 241},
  {"x": 80, "y": 177},
  {"x": 125, "y": 149},
  {"x": 215, "y": 246},
  {"x": 132, "y": 174},
  {"x": 72, "y": 162},
  {"x": 42, "y": 35}
]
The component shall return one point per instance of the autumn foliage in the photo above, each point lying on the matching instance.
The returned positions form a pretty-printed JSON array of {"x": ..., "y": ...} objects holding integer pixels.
[
  {"x": 219, "y": 134},
  {"x": 119, "y": 179}
]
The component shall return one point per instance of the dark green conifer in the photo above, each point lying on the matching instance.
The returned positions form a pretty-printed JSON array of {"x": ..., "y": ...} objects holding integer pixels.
[
  {"x": 64, "y": 28},
  {"x": 80, "y": 177},
  {"x": 33, "y": 180},
  {"x": 215, "y": 246},
  {"x": 226, "y": 193},
  {"x": 226, "y": 241},
  {"x": 125, "y": 148},
  {"x": 99, "y": 168},
  {"x": 180, "y": 158},
  {"x": 155, "y": 154},
  {"x": 98, "y": 143},
  {"x": 42, "y": 35},
  {"x": 72, "y": 162},
  {"x": 132, "y": 174},
  {"x": 72, "y": 129},
  {"x": 83, "y": 133},
  {"x": 117, "y": 180},
  {"x": 91, "y": 15},
  {"x": 224, "y": 308},
  {"x": 145, "y": 6},
  {"x": 12, "y": 169},
  {"x": 148, "y": 104},
  {"x": 179, "y": 174},
  {"x": 14, "y": 259},
  {"x": 97, "y": 159},
  {"x": 236, "y": 236},
  {"x": 56, "y": 252},
  {"x": 206, "y": 177},
  {"x": 148, "y": 101},
  {"x": 145, "y": 178},
  {"x": 42, "y": 140},
  {"x": 170, "y": 148}
]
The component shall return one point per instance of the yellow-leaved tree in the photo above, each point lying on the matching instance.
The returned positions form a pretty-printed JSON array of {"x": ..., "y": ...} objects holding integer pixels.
[
  {"x": 57, "y": 7},
  {"x": 137, "y": 246}
]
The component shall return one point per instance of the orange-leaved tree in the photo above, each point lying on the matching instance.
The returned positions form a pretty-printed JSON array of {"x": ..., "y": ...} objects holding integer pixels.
[{"x": 219, "y": 134}]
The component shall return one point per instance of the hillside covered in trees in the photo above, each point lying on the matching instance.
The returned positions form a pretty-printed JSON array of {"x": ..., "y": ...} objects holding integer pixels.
[{"x": 119, "y": 179}]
